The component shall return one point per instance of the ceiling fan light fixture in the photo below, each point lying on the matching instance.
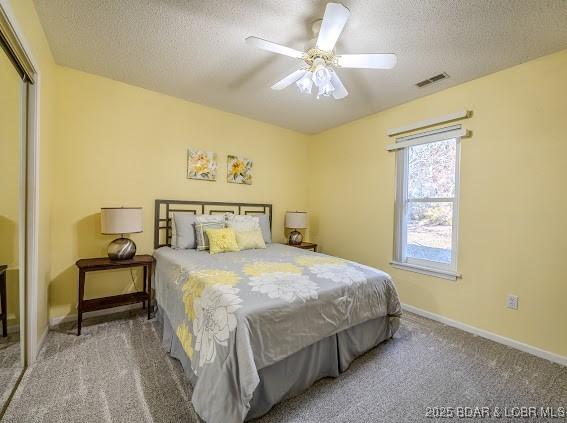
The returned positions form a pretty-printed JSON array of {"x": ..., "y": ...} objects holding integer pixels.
[
  {"x": 306, "y": 83},
  {"x": 320, "y": 59},
  {"x": 321, "y": 75},
  {"x": 325, "y": 90}
]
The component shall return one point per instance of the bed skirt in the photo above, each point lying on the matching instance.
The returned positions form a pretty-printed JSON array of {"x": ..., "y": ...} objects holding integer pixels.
[{"x": 327, "y": 358}]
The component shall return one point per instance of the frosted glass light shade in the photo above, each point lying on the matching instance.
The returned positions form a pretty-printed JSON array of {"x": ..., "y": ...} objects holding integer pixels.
[
  {"x": 306, "y": 83},
  {"x": 120, "y": 220},
  {"x": 296, "y": 220}
]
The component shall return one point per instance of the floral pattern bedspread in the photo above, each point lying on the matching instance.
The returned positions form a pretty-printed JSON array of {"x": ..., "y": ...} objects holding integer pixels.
[{"x": 236, "y": 313}]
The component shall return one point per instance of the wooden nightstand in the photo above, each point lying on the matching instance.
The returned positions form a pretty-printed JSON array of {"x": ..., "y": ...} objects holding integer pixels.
[
  {"x": 306, "y": 246},
  {"x": 104, "y": 263}
]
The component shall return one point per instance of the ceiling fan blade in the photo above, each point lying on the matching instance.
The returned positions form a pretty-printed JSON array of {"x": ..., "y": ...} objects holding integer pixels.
[
  {"x": 274, "y": 48},
  {"x": 288, "y": 80},
  {"x": 340, "y": 90},
  {"x": 334, "y": 20},
  {"x": 367, "y": 61}
]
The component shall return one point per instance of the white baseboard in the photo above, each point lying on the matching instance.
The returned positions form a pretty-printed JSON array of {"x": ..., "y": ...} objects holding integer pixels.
[
  {"x": 54, "y": 321},
  {"x": 556, "y": 358}
]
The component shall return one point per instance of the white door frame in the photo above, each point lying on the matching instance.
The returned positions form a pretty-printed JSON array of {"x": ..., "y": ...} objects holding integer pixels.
[{"x": 32, "y": 224}]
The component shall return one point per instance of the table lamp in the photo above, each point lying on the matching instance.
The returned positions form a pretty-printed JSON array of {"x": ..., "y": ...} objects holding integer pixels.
[
  {"x": 296, "y": 220},
  {"x": 121, "y": 220}
]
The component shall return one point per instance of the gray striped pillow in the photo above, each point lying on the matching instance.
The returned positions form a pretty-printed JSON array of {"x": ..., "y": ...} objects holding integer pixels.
[{"x": 202, "y": 238}]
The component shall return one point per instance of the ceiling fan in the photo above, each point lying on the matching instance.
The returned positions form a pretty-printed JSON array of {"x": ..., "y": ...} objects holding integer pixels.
[{"x": 320, "y": 58}]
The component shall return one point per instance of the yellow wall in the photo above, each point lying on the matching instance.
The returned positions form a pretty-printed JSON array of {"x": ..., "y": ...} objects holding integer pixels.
[
  {"x": 513, "y": 226},
  {"x": 118, "y": 145},
  {"x": 31, "y": 32},
  {"x": 104, "y": 143},
  {"x": 10, "y": 140}
]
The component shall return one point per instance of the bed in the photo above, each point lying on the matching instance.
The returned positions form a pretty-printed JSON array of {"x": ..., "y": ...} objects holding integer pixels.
[{"x": 254, "y": 327}]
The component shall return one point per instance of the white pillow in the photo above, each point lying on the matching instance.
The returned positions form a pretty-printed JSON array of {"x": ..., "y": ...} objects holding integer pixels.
[
  {"x": 242, "y": 223},
  {"x": 248, "y": 240},
  {"x": 183, "y": 231},
  {"x": 208, "y": 218}
]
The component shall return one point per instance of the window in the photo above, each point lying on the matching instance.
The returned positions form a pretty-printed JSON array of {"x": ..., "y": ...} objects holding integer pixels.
[{"x": 427, "y": 202}]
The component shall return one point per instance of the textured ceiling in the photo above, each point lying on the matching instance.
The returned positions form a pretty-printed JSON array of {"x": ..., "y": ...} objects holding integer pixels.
[{"x": 194, "y": 49}]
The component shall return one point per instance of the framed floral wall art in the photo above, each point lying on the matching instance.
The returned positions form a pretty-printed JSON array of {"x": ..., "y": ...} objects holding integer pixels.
[
  {"x": 201, "y": 165},
  {"x": 239, "y": 170}
]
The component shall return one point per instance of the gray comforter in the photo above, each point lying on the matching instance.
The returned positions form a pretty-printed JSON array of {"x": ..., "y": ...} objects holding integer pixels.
[{"x": 236, "y": 313}]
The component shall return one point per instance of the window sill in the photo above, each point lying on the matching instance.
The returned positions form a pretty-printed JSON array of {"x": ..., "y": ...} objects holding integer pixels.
[{"x": 438, "y": 273}]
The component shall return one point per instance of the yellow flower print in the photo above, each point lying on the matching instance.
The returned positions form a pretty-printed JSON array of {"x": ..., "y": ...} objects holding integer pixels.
[
  {"x": 261, "y": 267},
  {"x": 192, "y": 290},
  {"x": 199, "y": 280},
  {"x": 313, "y": 260},
  {"x": 237, "y": 167},
  {"x": 179, "y": 275},
  {"x": 201, "y": 164},
  {"x": 202, "y": 167},
  {"x": 212, "y": 276},
  {"x": 186, "y": 338}
]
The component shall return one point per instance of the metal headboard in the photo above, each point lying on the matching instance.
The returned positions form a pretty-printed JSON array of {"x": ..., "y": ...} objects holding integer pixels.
[{"x": 165, "y": 208}]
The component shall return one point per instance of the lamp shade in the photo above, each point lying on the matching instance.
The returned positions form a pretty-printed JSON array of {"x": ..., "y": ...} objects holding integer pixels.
[
  {"x": 296, "y": 220},
  {"x": 120, "y": 220}
]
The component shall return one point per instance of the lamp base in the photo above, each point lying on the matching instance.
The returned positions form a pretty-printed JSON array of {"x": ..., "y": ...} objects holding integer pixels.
[
  {"x": 295, "y": 238},
  {"x": 121, "y": 249}
]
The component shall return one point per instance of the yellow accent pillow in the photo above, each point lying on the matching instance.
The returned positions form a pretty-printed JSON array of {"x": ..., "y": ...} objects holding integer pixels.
[
  {"x": 248, "y": 240},
  {"x": 221, "y": 240}
]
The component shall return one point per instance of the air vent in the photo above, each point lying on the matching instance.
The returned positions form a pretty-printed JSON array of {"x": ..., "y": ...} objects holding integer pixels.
[{"x": 432, "y": 79}]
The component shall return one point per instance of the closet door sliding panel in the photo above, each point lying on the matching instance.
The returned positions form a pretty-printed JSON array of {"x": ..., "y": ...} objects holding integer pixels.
[
  {"x": 12, "y": 222},
  {"x": 17, "y": 207}
]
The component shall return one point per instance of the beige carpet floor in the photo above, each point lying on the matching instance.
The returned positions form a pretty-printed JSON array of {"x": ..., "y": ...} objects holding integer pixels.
[{"x": 118, "y": 372}]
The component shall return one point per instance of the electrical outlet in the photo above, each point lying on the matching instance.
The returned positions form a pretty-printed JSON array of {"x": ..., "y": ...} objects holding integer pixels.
[{"x": 512, "y": 302}]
